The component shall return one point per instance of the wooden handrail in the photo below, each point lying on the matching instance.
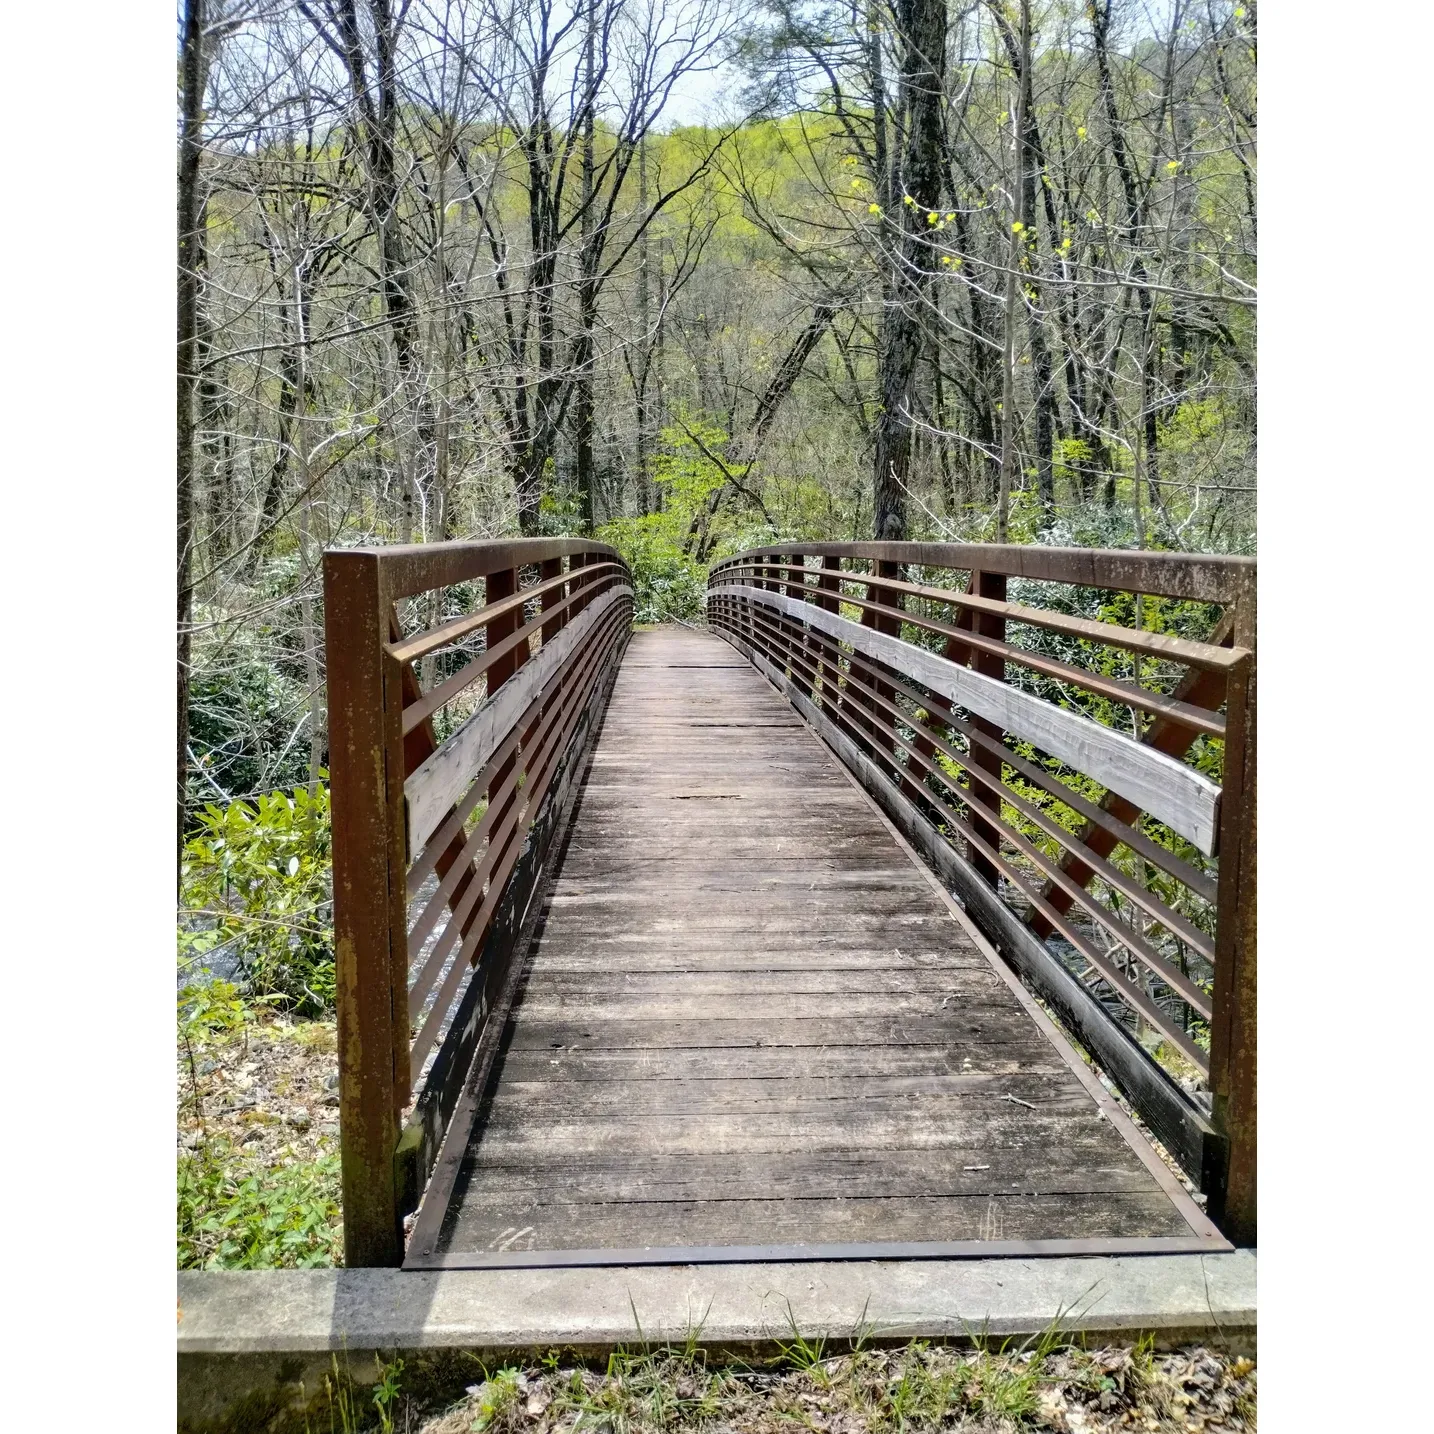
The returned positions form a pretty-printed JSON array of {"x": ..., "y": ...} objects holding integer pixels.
[
  {"x": 1000, "y": 784},
  {"x": 429, "y": 908}
]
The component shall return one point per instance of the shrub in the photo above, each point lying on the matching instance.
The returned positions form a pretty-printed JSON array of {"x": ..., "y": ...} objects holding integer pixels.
[
  {"x": 666, "y": 582},
  {"x": 244, "y": 713},
  {"x": 256, "y": 896}
]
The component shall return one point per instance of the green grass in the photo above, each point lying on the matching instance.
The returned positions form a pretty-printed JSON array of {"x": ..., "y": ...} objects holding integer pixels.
[
  {"x": 1045, "y": 1383},
  {"x": 238, "y": 1216}
]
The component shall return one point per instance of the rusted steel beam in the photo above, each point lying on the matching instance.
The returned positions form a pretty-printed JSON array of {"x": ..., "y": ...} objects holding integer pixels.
[
  {"x": 1156, "y": 645},
  {"x": 889, "y": 617},
  {"x": 381, "y": 734},
  {"x": 419, "y": 567},
  {"x": 553, "y": 601},
  {"x": 364, "y": 743},
  {"x": 447, "y": 633},
  {"x": 1194, "y": 576},
  {"x": 987, "y": 585},
  {"x": 1233, "y": 1066}
]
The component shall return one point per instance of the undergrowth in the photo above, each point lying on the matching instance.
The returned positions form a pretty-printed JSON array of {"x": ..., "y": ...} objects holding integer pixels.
[
  {"x": 1049, "y": 1382},
  {"x": 233, "y": 1215},
  {"x": 238, "y": 1207}
]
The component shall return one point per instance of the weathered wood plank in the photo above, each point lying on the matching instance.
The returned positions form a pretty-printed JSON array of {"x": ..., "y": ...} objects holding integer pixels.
[
  {"x": 763, "y": 1063},
  {"x": 878, "y": 982},
  {"x": 817, "y": 1129},
  {"x": 572, "y": 957},
  {"x": 976, "y": 1025},
  {"x": 1166, "y": 788},
  {"x": 1073, "y": 1167},
  {"x": 960, "y": 1094},
  {"x": 619, "y": 1006},
  {"x": 1014, "y": 1215}
]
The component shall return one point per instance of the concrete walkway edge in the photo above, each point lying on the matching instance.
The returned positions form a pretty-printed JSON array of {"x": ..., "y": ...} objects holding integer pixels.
[{"x": 241, "y": 1330}]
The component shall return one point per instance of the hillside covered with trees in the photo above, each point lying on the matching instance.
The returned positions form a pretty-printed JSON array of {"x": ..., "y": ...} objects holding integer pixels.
[{"x": 453, "y": 268}]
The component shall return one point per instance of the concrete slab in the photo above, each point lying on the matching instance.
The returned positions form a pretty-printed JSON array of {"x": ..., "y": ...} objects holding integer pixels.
[{"x": 245, "y": 1331}]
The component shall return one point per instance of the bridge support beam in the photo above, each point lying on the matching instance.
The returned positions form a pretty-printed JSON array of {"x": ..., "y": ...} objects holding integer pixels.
[
  {"x": 1232, "y": 1029},
  {"x": 365, "y": 795}
]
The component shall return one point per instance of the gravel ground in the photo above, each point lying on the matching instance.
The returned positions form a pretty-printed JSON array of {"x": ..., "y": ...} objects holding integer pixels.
[{"x": 270, "y": 1089}]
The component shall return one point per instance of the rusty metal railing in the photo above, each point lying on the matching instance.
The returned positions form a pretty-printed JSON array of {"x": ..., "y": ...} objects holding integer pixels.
[
  {"x": 464, "y": 680},
  {"x": 1084, "y": 782}
]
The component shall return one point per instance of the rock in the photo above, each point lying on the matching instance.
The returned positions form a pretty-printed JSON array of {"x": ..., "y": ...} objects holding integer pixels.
[
  {"x": 332, "y": 1082},
  {"x": 331, "y": 1100},
  {"x": 299, "y": 1118}
]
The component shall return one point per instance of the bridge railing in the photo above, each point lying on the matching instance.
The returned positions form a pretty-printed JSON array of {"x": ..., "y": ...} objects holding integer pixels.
[
  {"x": 464, "y": 680},
  {"x": 1069, "y": 737}
]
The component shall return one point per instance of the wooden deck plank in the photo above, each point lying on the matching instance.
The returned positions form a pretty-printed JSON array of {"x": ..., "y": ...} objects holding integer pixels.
[
  {"x": 762, "y": 1063},
  {"x": 1060, "y": 1215},
  {"x": 748, "y": 1019},
  {"x": 952, "y": 1031},
  {"x": 1074, "y": 1167}
]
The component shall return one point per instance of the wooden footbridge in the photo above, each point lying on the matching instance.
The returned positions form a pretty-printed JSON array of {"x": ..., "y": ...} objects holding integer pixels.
[{"x": 796, "y": 936}]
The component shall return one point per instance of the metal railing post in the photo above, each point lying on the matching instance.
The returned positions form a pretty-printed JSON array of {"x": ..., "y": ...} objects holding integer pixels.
[
  {"x": 366, "y": 766},
  {"x": 987, "y": 585},
  {"x": 1234, "y": 1006}
]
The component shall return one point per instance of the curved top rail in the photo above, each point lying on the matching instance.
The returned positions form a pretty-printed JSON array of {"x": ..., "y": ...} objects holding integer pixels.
[
  {"x": 410, "y": 568},
  {"x": 1197, "y": 577}
]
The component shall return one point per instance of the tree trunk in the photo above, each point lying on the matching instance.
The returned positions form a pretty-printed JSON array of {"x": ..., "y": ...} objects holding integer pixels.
[
  {"x": 1009, "y": 458},
  {"x": 923, "y": 26},
  {"x": 644, "y": 324},
  {"x": 587, "y": 293},
  {"x": 1150, "y": 352},
  {"x": 1030, "y": 163},
  {"x": 190, "y": 259}
]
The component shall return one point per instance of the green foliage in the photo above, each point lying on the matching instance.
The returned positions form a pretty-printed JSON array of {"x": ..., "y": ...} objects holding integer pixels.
[
  {"x": 498, "y": 1397},
  {"x": 803, "y": 1354},
  {"x": 244, "y": 708},
  {"x": 256, "y": 895},
  {"x": 230, "y": 1218},
  {"x": 386, "y": 1393},
  {"x": 667, "y": 583},
  {"x": 212, "y": 1009},
  {"x": 669, "y": 579}
]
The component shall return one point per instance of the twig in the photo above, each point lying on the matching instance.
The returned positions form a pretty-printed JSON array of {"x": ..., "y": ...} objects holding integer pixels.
[
  {"x": 1016, "y": 1100},
  {"x": 194, "y": 1085}
]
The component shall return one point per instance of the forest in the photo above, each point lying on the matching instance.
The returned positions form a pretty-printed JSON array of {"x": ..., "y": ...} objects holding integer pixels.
[{"x": 470, "y": 268}]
